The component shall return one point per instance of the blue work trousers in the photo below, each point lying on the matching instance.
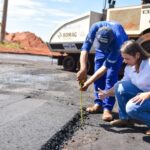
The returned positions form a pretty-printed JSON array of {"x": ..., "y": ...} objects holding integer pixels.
[
  {"x": 124, "y": 92},
  {"x": 106, "y": 82}
]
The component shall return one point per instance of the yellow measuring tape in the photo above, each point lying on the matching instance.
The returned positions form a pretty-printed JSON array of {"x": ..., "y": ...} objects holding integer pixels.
[{"x": 81, "y": 106}]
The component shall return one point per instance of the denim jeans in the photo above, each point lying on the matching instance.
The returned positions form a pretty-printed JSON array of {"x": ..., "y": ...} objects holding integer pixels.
[{"x": 124, "y": 91}]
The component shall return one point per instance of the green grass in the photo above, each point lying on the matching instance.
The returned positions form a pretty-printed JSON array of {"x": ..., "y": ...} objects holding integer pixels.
[{"x": 10, "y": 45}]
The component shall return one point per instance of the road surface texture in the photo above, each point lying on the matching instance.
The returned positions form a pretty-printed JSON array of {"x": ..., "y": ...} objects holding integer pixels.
[{"x": 40, "y": 109}]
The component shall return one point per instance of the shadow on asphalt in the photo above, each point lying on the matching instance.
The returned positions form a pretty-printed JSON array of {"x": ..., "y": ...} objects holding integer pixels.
[
  {"x": 146, "y": 139},
  {"x": 115, "y": 115},
  {"x": 123, "y": 130},
  {"x": 138, "y": 128}
]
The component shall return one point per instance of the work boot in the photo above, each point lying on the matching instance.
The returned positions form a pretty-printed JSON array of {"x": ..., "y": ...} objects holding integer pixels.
[
  {"x": 148, "y": 132},
  {"x": 94, "y": 109},
  {"x": 121, "y": 123},
  {"x": 107, "y": 115}
]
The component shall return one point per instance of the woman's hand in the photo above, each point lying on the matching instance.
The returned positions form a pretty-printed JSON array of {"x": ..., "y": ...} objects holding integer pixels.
[
  {"x": 141, "y": 97},
  {"x": 102, "y": 94}
]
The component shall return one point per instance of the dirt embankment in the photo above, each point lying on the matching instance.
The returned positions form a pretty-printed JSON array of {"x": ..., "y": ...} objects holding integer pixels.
[{"x": 29, "y": 44}]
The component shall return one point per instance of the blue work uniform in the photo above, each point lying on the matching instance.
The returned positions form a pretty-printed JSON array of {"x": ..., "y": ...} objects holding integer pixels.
[{"x": 109, "y": 57}]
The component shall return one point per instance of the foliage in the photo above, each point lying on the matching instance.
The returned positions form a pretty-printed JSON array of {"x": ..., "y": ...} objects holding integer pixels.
[{"x": 10, "y": 45}]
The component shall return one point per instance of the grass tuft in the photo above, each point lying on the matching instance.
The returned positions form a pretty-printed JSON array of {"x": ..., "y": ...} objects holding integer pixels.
[{"x": 10, "y": 45}]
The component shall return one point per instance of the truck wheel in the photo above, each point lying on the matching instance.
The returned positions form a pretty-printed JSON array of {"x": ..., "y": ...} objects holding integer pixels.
[
  {"x": 69, "y": 63},
  {"x": 144, "y": 41},
  {"x": 88, "y": 66}
]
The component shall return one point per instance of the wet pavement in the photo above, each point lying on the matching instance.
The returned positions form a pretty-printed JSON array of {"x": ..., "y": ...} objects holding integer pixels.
[{"x": 40, "y": 109}]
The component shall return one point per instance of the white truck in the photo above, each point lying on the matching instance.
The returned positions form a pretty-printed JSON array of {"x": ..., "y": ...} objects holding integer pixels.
[{"x": 69, "y": 37}]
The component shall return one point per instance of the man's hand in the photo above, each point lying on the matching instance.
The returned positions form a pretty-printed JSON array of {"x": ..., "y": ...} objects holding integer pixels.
[
  {"x": 81, "y": 76},
  {"x": 82, "y": 73},
  {"x": 84, "y": 86}
]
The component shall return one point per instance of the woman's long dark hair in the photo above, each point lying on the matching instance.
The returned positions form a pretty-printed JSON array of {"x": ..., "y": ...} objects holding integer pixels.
[{"x": 131, "y": 47}]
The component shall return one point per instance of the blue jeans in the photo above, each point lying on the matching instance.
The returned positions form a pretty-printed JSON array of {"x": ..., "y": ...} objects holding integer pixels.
[
  {"x": 124, "y": 91},
  {"x": 106, "y": 82}
]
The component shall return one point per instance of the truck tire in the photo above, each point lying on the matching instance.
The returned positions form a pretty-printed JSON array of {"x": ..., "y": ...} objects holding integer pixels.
[
  {"x": 144, "y": 41},
  {"x": 69, "y": 63},
  {"x": 90, "y": 66},
  {"x": 60, "y": 60}
]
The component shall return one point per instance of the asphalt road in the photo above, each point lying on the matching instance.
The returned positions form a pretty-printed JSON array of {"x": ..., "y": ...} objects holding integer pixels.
[{"x": 38, "y": 99}]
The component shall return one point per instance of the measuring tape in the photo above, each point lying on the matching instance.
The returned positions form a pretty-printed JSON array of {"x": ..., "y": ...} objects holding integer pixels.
[{"x": 81, "y": 106}]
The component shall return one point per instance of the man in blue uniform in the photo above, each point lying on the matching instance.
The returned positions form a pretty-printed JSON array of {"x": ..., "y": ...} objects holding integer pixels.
[{"x": 107, "y": 38}]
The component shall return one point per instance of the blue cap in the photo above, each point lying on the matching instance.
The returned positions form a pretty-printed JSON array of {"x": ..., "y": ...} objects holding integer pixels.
[{"x": 104, "y": 37}]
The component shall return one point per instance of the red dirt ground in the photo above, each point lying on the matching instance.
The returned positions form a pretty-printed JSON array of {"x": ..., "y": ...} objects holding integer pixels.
[{"x": 30, "y": 44}]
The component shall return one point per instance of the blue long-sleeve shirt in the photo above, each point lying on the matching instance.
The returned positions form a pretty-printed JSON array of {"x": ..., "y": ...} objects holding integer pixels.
[{"x": 112, "y": 54}]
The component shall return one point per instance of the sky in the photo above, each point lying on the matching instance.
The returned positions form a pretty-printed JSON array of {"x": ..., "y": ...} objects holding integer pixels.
[{"x": 42, "y": 17}]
